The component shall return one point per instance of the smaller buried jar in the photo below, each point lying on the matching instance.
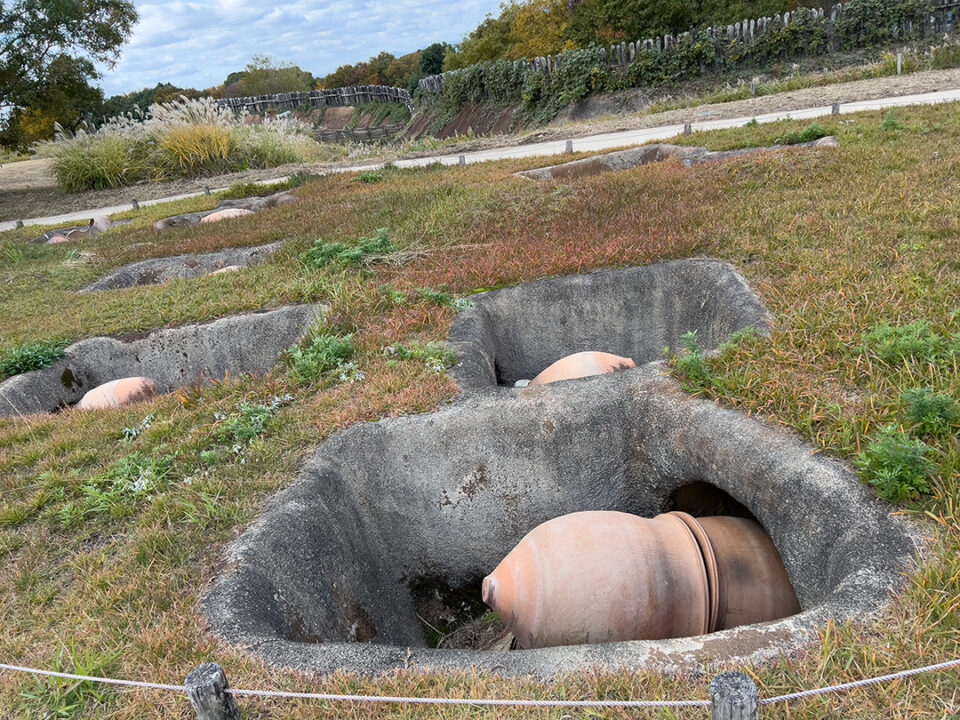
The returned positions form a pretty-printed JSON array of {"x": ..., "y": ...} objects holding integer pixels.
[
  {"x": 599, "y": 576},
  {"x": 119, "y": 393},
  {"x": 582, "y": 364}
]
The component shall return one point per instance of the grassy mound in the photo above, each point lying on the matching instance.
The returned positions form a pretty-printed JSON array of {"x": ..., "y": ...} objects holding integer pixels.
[{"x": 111, "y": 522}]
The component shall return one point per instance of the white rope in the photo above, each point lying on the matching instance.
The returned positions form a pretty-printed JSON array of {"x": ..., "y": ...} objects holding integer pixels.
[
  {"x": 861, "y": 683},
  {"x": 467, "y": 701},
  {"x": 106, "y": 681},
  {"x": 494, "y": 702}
]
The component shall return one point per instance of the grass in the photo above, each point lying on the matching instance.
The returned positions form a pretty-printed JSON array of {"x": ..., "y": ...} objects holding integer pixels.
[
  {"x": 182, "y": 138},
  {"x": 854, "y": 249}
]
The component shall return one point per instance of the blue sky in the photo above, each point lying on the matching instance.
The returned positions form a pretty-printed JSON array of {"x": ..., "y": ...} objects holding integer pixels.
[{"x": 197, "y": 43}]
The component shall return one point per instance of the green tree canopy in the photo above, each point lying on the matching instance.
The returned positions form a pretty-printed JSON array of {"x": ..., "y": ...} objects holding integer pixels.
[
  {"x": 265, "y": 76},
  {"x": 38, "y": 38}
]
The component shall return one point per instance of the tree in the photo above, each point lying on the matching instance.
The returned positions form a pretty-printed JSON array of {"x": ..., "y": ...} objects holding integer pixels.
[
  {"x": 490, "y": 40},
  {"x": 431, "y": 58},
  {"x": 538, "y": 28},
  {"x": 39, "y": 38},
  {"x": 264, "y": 76}
]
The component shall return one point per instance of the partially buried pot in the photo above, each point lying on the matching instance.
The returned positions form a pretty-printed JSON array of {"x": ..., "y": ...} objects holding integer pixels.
[
  {"x": 119, "y": 393},
  {"x": 600, "y": 576},
  {"x": 582, "y": 364}
]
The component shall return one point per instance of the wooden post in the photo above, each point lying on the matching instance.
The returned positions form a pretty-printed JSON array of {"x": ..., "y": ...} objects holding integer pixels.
[
  {"x": 136, "y": 205},
  {"x": 462, "y": 160},
  {"x": 687, "y": 128},
  {"x": 899, "y": 63},
  {"x": 835, "y": 109},
  {"x": 206, "y": 685},
  {"x": 569, "y": 146},
  {"x": 734, "y": 697}
]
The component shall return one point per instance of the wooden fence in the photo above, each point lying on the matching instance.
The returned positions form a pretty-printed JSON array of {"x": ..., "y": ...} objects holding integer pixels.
[
  {"x": 377, "y": 133},
  {"x": 943, "y": 18},
  {"x": 337, "y": 97}
]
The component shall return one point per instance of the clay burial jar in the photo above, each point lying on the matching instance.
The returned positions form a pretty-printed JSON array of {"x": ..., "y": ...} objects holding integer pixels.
[
  {"x": 119, "y": 393},
  {"x": 749, "y": 581},
  {"x": 582, "y": 364},
  {"x": 601, "y": 576},
  {"x": 598, "y": 576},
  {"x": 225, "y": 215}
]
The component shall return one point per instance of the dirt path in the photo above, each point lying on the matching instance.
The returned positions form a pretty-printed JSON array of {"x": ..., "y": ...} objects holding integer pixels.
[{"x": 27, "y": 189}]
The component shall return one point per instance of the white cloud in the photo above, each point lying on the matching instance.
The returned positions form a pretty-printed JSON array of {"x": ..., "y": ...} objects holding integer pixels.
[{"x": 196, "y": 43}]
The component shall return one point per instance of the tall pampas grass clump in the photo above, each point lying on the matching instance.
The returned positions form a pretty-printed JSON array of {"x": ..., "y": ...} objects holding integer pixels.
[{"x": 183, "y": 138}]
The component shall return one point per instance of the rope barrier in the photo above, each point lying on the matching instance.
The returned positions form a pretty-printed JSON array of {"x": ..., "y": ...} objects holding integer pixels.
[
  {"x": 495, "y": 702},
  {"x": 861, "y": 683}
]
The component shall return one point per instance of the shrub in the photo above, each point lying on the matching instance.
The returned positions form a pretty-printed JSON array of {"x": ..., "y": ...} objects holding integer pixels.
[
  {"x": 691, "y": 362},
  {"x": 30, "y": 356},
  {"x": 915, "y": 341},
  {"x": 188, "y": 137},
  {"x": 325, "y": 355},
  {"x": 433, "y": 354},
  {"x": 323, "y": 253},
  {"x": 249, "y": 422},
  {"x": 443, "y": 298},
  {"x": 930, "y": 413},
  {"x": 890, "y": 122},
  {"x": 813, "y": 131},
  {"x": 946, "y": 57},
  {"x": 368, "y": 177},
  {"x": 896, "y": 465}
]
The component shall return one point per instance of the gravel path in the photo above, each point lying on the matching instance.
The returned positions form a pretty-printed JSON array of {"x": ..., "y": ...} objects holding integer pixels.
[{"x": 27, "y": 190}]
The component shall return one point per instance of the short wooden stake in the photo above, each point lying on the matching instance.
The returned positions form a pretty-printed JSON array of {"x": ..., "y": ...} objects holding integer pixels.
[
  {"x": 687, "y": 129},
  {"x": 206, "y": 685},
  {"x": 19, "y": 223},
  {"x": 569, "y": 146},
  {"x": 206, "y": 189},
  {"x": 899, "y": 63},
  {"x": 462, "y": 160},
  {"x": 835, "y": 109},
  {"x": 136, "y": 205},
  {"x": 734, "y": 697}
]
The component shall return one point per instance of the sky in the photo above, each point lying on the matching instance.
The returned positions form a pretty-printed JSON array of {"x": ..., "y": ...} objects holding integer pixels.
[{"x": 198, "y": 43}]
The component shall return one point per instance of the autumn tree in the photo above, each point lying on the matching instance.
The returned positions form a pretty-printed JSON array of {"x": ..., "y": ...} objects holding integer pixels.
[
  {"x": 48, "y": 52},
  {"x": 265, "y": 76}
]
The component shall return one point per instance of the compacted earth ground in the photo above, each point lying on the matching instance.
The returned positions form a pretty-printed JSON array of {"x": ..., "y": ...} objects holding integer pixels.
[{"x": 115, "y": 524}]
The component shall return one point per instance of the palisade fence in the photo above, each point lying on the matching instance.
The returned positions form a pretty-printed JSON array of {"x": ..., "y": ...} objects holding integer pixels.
[
  {"x": 375, "y": 133},
  {"x": 337, "y": 97},
  {"x": 805, "y": 31}
]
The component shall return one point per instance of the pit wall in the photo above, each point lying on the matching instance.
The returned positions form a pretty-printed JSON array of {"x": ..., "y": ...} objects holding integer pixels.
[
  {"x": 172, "y": 357},
  {"x": 514, "y": 333},
  {"x": 332, "y": 575}
]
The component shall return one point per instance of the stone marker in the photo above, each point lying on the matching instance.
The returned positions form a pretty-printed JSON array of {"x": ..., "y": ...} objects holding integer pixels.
[{"x": 119, "y": 393}]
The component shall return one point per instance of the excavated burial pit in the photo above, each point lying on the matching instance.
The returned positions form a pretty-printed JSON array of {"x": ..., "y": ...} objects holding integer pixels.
[
  {"x": 172, "y": 357},
  {"x": 400, "y": 518},
  {"x": 514, "y": 333},
  {"x": 167, "y": 269}
]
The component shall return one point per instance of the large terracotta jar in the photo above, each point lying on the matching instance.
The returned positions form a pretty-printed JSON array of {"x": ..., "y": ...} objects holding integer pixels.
[{"x": 600, "y": 576}]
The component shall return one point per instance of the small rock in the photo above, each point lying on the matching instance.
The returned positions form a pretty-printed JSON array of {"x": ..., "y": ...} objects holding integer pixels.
[
  {"x": 521, "y": 383},
  {"x": 828, "y": 141},
  {"x": 227, "y": 214},
  {"x": 119, "y": 393},
  {"x": 57, "y": 239}
]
